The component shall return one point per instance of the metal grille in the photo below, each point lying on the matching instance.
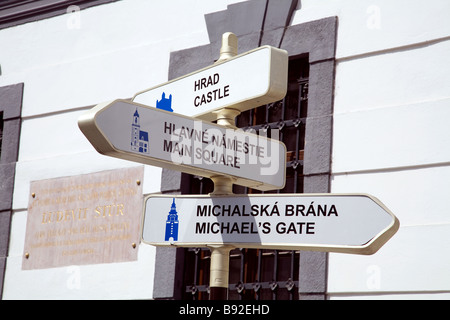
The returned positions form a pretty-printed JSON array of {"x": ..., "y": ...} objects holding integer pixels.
[{"x": 260, "y": 274}]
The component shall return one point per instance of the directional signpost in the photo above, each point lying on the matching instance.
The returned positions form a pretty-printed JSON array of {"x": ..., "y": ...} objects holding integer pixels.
[
  {"x": 244, "y": 82},
  {"x": 147, "y": 135},
  {"x": 169, "y": 136},
  {"x": 357, "y": 223}
]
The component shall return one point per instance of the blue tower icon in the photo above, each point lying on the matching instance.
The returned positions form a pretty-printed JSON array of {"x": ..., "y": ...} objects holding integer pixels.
[
  {"x": 139, "y": 138},
  {"x": 164, "y": 104},
  {"x": 172, "y": 223}
]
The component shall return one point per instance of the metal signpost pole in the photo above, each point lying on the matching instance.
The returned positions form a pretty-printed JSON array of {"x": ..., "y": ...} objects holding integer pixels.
[
  {"x": 220, "y": 255},
  {"x": 219, "y": 272}
]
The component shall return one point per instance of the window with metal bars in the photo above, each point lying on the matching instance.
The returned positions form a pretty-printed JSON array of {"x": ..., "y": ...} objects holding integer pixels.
[{"x": 260, "y": 274}]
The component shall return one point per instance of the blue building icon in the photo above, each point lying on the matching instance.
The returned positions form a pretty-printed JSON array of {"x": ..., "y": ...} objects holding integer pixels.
[
  {"x": 164, "y": 104},
  {"x": 139, "y": 138},
  {"x": 172, "y": 223}
]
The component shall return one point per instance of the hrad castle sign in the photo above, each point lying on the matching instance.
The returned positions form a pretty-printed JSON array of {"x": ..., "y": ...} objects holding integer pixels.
[{"x": 225, "y": 84}]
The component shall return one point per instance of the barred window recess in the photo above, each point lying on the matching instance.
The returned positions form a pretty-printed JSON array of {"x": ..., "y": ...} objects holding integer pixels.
[{"x": 260, "y": 274}]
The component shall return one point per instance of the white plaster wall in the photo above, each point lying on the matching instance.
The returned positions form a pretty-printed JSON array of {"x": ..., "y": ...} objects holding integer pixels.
[
  {"x": 414, "y": 261},
  {"x": 118, "y": 50},
  {"x": 375, "y": 25},
  {"x": 391, "y": 138}
]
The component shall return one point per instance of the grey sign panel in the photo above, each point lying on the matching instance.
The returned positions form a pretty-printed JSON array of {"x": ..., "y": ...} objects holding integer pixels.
[
  {"x": 357, "y": 223},
  {"x": 151, "y": 136}
]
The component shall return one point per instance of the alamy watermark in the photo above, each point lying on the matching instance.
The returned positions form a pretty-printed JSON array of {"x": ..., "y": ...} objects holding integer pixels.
[
  {"x": 373, "y": 281},
  {"x": 374, "y": 17},
  {"x": 74, "y": 17},
  {"x": 73, "y": 281}
]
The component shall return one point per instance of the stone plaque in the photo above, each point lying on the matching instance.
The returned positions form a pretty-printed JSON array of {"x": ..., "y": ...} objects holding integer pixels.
[{"x": 87, "y": 219}]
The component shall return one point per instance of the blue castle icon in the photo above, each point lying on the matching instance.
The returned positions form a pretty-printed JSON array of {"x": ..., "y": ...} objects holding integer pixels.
[
  {"x": 172, "y": 223},
  {"x": 139, "y": 138},
  {"x": 164, "y": 104}
]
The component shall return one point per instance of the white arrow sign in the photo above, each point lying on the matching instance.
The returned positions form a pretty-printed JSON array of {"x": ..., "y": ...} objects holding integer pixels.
[
  {"x": 358, "y": 224},
  {"x": 147, "y": 135},
  {"x": 244, "y": 82}
]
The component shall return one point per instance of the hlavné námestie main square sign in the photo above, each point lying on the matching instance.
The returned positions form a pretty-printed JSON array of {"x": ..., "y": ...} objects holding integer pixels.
[{"x": 135, "y": 132}]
